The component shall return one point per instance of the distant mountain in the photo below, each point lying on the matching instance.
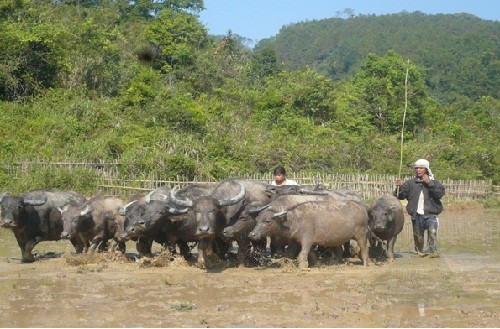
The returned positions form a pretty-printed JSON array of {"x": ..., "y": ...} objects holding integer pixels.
[{"x": 459, "y": 53}]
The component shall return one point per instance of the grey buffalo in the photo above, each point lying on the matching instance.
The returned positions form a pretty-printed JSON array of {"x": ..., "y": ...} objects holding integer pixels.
[
  {"x": 386, "y": 221},
  {"x": 93, "y": 223},
  {"x": 33, "y": 217},
  {"x": 280, "y": 244},
  {"x": 327, "y": 223}
]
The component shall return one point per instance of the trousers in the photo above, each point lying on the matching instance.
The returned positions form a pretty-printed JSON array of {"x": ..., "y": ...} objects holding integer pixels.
[{"x": 420, "y": 224}]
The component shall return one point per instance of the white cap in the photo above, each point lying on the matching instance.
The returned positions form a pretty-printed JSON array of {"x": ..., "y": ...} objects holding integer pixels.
[
  {"x": 424, "y": 164},
  {"x": 421, "y": 163}
]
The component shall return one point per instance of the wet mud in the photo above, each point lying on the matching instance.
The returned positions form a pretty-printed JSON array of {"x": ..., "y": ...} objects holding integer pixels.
[{"x": 461, "y": 288}]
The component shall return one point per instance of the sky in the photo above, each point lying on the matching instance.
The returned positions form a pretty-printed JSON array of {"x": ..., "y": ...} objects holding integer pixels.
[{"x": 259, "y": 19}]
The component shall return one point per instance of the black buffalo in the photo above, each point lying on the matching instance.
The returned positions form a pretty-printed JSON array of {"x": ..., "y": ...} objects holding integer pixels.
[
  {"x": 155, "y": 219},
  {"x": 34, "y": 217},
  {"x": 218, "y": 210},
  {"x": 386, "y": 221}
]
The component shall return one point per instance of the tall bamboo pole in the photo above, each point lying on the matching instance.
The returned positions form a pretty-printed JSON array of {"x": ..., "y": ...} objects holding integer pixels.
[{"x": 403, "y": 126}]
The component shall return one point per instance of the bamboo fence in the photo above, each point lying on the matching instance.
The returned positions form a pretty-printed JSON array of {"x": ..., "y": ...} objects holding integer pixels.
[{"x": 370, "y": 186}]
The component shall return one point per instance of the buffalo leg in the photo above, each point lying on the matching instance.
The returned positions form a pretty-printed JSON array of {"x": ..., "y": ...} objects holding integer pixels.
[
  {"x": 27, "y": 250},
  {"x": 78, "y": 245},
  {"x": 303, "y": 255},
  {"x": 312, "y": 258},
  {"x": 244, "y": 248},
  {"x": 95, "y": 243},
  {"x": 25, "y": 258},
  {"x": 114, "y": 245},
  {"x": 184, "y": 249},
  {"x": 363, "y": 250},
  {"x": 143, "y": 246},
  {"x": 220, "y": 247},
  {"x": 390, "y": 247}
]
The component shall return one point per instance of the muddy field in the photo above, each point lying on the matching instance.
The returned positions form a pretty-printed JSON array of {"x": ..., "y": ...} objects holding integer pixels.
[{"x": 459, "y": 289}]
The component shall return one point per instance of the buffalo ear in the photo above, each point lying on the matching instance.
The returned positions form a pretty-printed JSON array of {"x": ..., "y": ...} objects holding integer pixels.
[
  {"x": 370, "y": 215},
  {"x": 121, "y": 211}
]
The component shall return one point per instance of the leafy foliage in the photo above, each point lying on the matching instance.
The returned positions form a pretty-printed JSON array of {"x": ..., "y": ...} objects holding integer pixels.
[{"x": 143, "y": 84}]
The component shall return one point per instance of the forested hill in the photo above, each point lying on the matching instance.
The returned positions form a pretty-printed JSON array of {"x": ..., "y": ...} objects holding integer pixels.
[{"x": 460, "y": 52}]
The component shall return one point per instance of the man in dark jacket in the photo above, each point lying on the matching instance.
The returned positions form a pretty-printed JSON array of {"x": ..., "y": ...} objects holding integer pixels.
[{"x": 424, "y": 195}]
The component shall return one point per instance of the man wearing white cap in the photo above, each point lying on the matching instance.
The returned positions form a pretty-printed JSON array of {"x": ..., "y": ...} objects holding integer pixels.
[{"x": 424, "y": 195}]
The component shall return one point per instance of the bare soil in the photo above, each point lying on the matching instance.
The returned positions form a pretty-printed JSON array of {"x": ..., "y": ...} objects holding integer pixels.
[{"x": 459, "y": 289}]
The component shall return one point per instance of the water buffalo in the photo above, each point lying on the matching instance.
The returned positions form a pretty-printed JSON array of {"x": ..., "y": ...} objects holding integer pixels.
[
  {"x": 328, "y": 223},
  {"x": 93, "y": 223},
  {"x": 156, "y": 220},
  {"x": 130, "y": 225},
  {"x": 386, "y": 221},
  {"x": 33, "y": 217},
  {"x": 280, "y": 244},
  {"x": 220, "y": 209}
]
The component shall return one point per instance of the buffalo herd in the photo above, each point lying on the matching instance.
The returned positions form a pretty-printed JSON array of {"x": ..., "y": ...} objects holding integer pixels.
[{"x": 295, "y": 221}]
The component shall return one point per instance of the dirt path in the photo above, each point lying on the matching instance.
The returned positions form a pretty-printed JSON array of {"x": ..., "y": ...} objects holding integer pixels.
[{"x": 457, "y": 290}]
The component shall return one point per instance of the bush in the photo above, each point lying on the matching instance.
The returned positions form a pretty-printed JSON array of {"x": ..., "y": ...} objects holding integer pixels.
[{"x": 82, "y": 180}]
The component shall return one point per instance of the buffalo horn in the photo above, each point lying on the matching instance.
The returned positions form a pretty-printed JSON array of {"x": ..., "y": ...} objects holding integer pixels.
[
  {"x": 278, "y": 214},
  {"x": 178, "y": 202},
  {"x": 123, "y": 209},
  {"x": 257, "y": 209},
  {"x": 86, "y": 210},
  {"x": 175, "y": 211},
  {"x": 35, "y": 202},
  {"x": 147, "y": 198},
  {"x": 236, "y": 199}
]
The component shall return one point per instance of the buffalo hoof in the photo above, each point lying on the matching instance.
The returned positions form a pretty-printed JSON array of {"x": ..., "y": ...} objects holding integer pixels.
[
  {"x": 205, "y": 265},
  {"x": 28, "y": 259}
]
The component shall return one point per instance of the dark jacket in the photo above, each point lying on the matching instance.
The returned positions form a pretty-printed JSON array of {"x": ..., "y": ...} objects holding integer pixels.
[{"x": 433, "y": 192}]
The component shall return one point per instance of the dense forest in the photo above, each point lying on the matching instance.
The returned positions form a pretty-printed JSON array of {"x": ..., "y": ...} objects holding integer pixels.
[
  {"x": 144, "y": 84},
  {"x": 458, "y": 54}
]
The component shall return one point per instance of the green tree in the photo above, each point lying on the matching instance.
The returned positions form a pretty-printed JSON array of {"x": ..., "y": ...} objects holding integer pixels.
[
  {"x": 177, "y": 35},
  {"x": 383, "y": 82},
  {"x": 263, "y": 64}
]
